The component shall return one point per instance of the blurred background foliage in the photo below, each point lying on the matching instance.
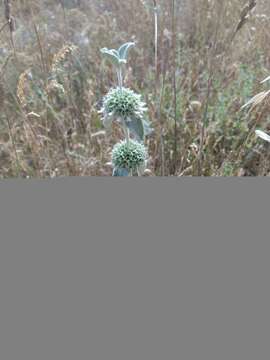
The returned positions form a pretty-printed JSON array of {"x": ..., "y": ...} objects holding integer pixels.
[{"x": 207, "y": 61}]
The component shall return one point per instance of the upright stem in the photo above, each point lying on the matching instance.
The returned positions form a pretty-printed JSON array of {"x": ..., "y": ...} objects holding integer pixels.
[
  {"x": 120, "y": 77},
  {"x": 126, "y": 134},
  {"x": 174, "y": 83},
  {"x": 156, "y": 42},
  {"x": 211, "y": 72},
  {"x": 120, "y": 84}
]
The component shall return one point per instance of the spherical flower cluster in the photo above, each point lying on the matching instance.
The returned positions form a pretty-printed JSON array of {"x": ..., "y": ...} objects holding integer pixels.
[
  {"x": 130, "y": 156},
  {"x": 122, "y": 103}
]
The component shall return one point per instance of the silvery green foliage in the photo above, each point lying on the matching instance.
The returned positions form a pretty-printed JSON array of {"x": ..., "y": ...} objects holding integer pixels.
[
  {"x": 124, "y": 105},
  {"x": 129, "y": 156},
  {"x": 120, "y": 172},
  {"x": 118, "y": 57},
  {"x": 128, "y": 109},
  {"x": 150, "y": 5}
]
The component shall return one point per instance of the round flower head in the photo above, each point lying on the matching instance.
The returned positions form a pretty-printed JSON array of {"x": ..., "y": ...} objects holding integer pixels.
[
  {"x": 122, "y": 103},
  {"x": 130, "y": 156}
]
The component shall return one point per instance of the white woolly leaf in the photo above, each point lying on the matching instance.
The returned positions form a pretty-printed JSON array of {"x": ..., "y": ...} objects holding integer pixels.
[
  {"x": 112, "y": 55},
  {"x": 124, "y": 49}
]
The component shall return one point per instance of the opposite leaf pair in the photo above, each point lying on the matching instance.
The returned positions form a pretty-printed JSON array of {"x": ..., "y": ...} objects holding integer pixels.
[{"x": 118, "y": 57}]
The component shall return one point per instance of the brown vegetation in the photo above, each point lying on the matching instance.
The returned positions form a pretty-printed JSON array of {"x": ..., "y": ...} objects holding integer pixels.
[{"x": 196, "y": 63}]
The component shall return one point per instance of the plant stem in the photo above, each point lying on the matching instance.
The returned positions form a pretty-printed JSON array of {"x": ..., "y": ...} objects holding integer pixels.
[
  {"x": 120, "y": 83},
  {"x": 156, "y": 43},
  {"x": 127, "y": 135},
  {"x": 120, "y": 77},
  {"x": 174, "y": 89}
]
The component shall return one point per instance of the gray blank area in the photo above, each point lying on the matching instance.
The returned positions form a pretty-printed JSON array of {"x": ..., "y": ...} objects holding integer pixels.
[{"x": 135, "y": 269}]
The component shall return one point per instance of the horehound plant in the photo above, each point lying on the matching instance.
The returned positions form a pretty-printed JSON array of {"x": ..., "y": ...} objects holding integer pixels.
[{"x": 125, "y": 107}]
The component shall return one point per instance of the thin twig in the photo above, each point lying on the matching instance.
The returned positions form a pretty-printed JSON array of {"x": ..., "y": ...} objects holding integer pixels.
[{"x": 174, "y": 84}]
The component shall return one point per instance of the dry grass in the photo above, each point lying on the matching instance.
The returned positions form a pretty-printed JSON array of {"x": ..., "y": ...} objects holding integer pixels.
[{"x": 197, "y": 62}]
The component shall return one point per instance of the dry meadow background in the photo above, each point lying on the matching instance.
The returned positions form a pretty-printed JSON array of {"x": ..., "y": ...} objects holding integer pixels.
[{"x": 208, "y": 60}]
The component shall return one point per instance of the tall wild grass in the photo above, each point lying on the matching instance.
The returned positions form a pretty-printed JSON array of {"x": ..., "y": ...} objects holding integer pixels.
[{"x": 196, "y": 63}]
